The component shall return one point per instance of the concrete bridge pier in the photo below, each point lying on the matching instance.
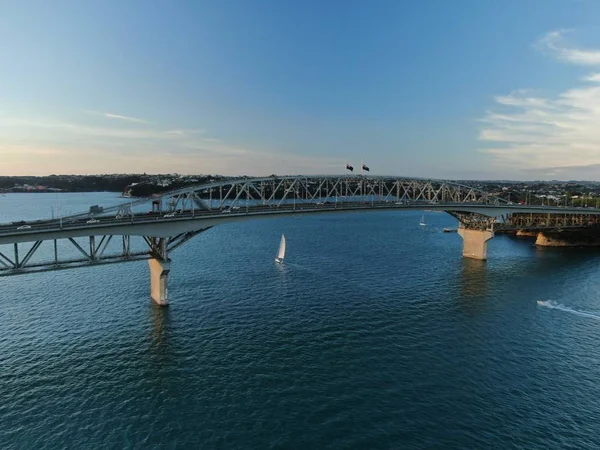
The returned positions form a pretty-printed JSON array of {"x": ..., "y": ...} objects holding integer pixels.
[
  {"x": 160, "y": 265},
  {"x": 475, "y": 242}
]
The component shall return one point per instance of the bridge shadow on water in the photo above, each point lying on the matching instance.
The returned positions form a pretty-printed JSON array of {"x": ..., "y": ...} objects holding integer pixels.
[
  {"x": 160, "y": 321},
  {"x": 473, "y": 285},
  {"x": 159, "y": 338}
]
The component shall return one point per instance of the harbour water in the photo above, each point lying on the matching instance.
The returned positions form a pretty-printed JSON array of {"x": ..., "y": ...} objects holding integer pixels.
[{"x": 374, "y": 333}]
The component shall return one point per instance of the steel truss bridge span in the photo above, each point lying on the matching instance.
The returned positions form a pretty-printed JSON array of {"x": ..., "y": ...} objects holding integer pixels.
[
  {"x": 218, "y": 202},
  {"x": 150, "y": 228}
]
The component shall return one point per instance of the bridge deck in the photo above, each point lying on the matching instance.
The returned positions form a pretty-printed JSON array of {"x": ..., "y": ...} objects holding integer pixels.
[{"x": 165, "y": 224}]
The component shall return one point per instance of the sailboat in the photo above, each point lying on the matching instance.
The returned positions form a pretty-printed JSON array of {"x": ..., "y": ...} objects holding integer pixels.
[
  {"x": 281, "y": 252},
  {"x": 422, "y": 222}
]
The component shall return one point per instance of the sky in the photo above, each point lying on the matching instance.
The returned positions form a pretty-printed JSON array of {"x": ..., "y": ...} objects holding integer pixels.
[{"x": 463, "y": 89}]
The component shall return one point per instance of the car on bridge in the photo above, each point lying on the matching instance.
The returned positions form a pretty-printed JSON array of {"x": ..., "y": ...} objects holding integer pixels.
[
  {"x": 24, "y": 227},
  {"x": 93, "y": 221}
]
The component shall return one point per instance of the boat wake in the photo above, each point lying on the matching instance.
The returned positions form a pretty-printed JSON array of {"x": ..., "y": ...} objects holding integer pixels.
[{"x": 554, "y": 305}]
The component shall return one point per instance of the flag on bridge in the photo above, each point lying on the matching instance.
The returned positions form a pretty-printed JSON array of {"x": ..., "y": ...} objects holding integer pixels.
[
  {"x": 365, "y": 168},
  {"x": 349, "y": 167}
]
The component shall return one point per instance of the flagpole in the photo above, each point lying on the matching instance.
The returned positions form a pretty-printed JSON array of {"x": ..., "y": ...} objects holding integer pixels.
[{"x": 361, "y": 177}]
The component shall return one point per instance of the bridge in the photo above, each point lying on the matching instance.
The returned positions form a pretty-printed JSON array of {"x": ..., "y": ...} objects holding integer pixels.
[{"x": 151, "y": 228}]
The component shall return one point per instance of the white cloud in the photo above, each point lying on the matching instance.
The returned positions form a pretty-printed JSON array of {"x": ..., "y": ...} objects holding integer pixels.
[
  {"x": 522, "y": 100},
  {"x": 552, "y": 43},
  {"x": 41, "y": 146},
  {"x": 183, "y": 133},
  {"x": 547, "y": 134},
  {"x": 104, "y": 132},
  {"x": 93, "y": 158},
  {"x": 116, "y": 116},
  {"x": 560, "y": 131},
  {"x": 595, "y": 77}
]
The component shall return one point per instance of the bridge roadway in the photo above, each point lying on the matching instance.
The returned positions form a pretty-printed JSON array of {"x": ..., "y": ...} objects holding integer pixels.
[{"x": 165, "y": 224}]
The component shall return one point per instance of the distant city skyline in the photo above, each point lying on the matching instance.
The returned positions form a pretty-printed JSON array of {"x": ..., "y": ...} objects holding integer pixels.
[{"x": 461, "y": 90}]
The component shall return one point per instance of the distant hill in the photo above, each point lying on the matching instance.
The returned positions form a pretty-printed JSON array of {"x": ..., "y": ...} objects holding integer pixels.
[{"x": 132, "y": 184}]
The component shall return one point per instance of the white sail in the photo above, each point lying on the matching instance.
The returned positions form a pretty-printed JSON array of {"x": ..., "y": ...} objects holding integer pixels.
[
  {"x": 422, "y": 220},
  {"x": 281, "y": 253}
]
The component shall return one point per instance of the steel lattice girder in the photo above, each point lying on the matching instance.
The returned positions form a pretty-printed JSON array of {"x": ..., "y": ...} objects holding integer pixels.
[
  {"x": 527, "y": 221},
  {"x": 11, "y": 264},
  {"x": 275, "y": 191}
]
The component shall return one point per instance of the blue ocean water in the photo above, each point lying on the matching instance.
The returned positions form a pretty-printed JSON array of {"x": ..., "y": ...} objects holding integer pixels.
[{"x": 374, "y": 334}]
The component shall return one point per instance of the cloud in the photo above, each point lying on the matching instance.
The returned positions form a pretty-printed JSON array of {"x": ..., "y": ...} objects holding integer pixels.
[
  {"x": 42, "y": 145},
  {"x": 552, "y": 43},
  {"x": 547, "y": 134},
  {"x": 21, "y": 149},
  {"x": 116, "y": 116},
  {"x": 595, "y": 77},
  {"x": 91, "y": 130},
  {"x": 93, "y": 158},
  {"x": 582, "y": 172},
  {"x": 521, "y": 99},
  {"x": 183, "y": 133}
]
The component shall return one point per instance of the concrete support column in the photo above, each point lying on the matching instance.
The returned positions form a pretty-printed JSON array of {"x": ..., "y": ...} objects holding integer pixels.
[
  {"x": 159, "y": 274},
  {"x": 475, "y": 242}
]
